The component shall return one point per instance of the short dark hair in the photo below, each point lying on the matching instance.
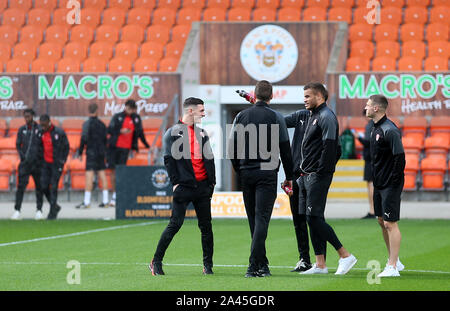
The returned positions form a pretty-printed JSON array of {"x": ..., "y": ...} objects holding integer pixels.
[
  {"x": 379, "y": 100},
  {"x": 192, "y": 101},
  {"x": 44, "y": 118},
  {"x": 92, "y": 108},
  {"x": 317, "y": 87},
  {"x": 30, "y": 111},
  {"x": 131, "y": 103},
  {"x": 263, "y": 90}
]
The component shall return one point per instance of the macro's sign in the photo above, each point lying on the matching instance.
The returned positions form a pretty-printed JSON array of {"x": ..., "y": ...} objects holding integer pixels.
[{"x": 70, "y": 94}]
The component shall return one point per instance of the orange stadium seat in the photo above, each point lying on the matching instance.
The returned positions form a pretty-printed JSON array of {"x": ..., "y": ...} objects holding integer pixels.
[
  {"x": 289, "y": 14},
  {"x": 132, "y": 33},
  {"x": 360, "y": 15},
  {"x": 411, "y": 170},
  {"x": 239, "y": 14},
  {"x": 410, "y": 32},
  {"x": 410, "y": 63},
  {"x": 159, "y": 33},
  {"x": 21, "y": 4},
  {"x": 39, "y": 17},
  {"x": 127, "y": 50},
  {"x": 31, "y": 34},
  {"x": 168, "y": 64},
  {"x": 415, "y": 126},
  {"x": 440, "y": 125},
  {"x": 388, "y": 48},
  {"x": 60, "y": 17},
  {"x": 440, "y": 14},
  {"x": 138, "y": 16},
  {"x": 108, "y": 33},
  {"x": 148, "y": 4},
  {"x": 357, "y": 64},
  {"x": 17, "y": 65},
  {"x": 82, "y": 33},
  {"x": 436, "y": 63},
  {"x": 151, "y": 125},
  {"x": 68, "y": 64},
  {"x": 340, "y": 15},
  {"x": 72, "y": 126},
  {"x": 248, "y": 4},
  {"x": 152, "y": 49},
  {"x": 358, "y": 32},
  {"x": 101, "y": 49},
  {"x": 90, "y": 16},
  {"x": 362, "y": 49},
  {"x": 56, "y": 33},
  {"x": 433, "y": 172},
  {"x": 8, "y": 144},
  {"x": 439, "y": 48},
  {"x": 97, "y": 4},
  {"x": 314, "y": 14},
  {"x": 437, "y": 144},
  {"x": 384, "y": 63},
  {"x": 418, "y": 3},
  {"x": 298, "y": 4},
  {"x": 13, "y": 17},
  {"x": 146, "y": 64},
  {"x": 342, "y": 3},
  {"x": 123, "y": 4},
  {"x": 171, "y": 4},
  {"x": 3, "y": 5},
  {"x": 393, "y": 3},
  {"x": 94, "y": 64},
  {"x": 164, "y": 16},
  {"x": 120, "y": 64},
  {"x": 3, "y": 127},
  {"x": 270, "y": 4},
  {"x": 50, "y": 50},
  {"x": 437, "y": 32},
  {"x": 114, "y": 16},
  {"x": 75, "y": 50},
  {"x": 385, "y": 32},
  {"x": 137, "y": 162},
  {"x": 264, "y": 15},
  {"x": 6, "y": 169},
  {"x": 25, "y": 51},
  {"x": 174, "y": 49},
  {"x": 413, "y": 48},
  {"x": 441, "y": 2},
  {"x": 214, "y": 15},
  {"x": 318, "y": 4},
  {"x": 199, "y": 4},
  {"x": 221, "y": 4},
  {"x": 14, "y": 125},
  {"x": 391, "y": 15},
  {"x": 416, "y": 14},
  {"x": 411, "y": 144},
  {"x": 77, "y": 169},
  {"x": 5, "y": 54},
  {"x": 8, "y": 34},
  {"x": 180, "y": 33},
  {"x": 43, "y": 65},
  {"x": 188, "y": 15},
  {"x": 46, "y": 4}
]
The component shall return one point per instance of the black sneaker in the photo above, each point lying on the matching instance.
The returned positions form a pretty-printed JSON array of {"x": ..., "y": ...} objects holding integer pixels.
[
  {"x": 82, "y": 206},
  {"x": 207, "y": 269},
  {"x": 264, "y": 271},
  {"x": 103, "y": 205},
  {"x": 53, "y": 212},
  {"x": 369, "y": 216},
  {"x": 252, "y": 272},
  {"x": 302, "y": 266},
  {"x": 156, "y": 268}
]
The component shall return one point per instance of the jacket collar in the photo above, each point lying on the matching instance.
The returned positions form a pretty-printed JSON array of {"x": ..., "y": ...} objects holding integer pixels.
[
  {"x": 261, "y": 103},
  {"x": 318, "y": 108},
  {"x": 381, "y": 121}
]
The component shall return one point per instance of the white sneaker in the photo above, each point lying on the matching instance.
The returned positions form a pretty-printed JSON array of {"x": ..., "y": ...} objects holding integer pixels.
[
  {"x": 16, "y": 215},
  {"x": 389, "y": 271},
  {"x": 399, "y": 265},
  {"x": 112, "y": 203},
  {"x": 315, "y": 270},
  {"x": 39, "y": 215},
  {"x": 345, "y": 264}
]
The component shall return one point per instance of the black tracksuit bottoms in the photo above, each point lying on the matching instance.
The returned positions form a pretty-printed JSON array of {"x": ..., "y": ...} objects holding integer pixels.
[
  {"x": 24, "y": 172},
  {"x": 50, "y": 175},
  {"x": 200, "y": 197}
]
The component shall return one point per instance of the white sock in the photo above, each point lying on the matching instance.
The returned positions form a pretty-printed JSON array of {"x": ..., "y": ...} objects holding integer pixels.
[
  {"x": 105, "y": 196},
  {"x": 113, "y": 197},
  {"x": 87, "y": 198}
]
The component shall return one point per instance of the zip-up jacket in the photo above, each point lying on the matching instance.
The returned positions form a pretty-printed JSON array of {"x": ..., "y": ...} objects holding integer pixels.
[
  {"x": 297, "y": 120},
  {"x": 27, "y": 144},
  {"x": 177, "y": 155},
  {"x": 250, "y": 141},
  {"x": 387, "y": 154},
  {"x": 116, "y": 125},
  {"x": 320, "y": 146},
  {"x": 93, "y": 137},
  {"x": 60, "y": 146}
]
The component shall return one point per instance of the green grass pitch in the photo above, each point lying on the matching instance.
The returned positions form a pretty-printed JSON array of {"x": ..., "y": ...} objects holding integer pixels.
[{"x": 114, "y": 255}]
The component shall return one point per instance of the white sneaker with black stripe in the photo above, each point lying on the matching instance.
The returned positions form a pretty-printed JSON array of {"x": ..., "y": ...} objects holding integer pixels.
[{"x": 315, "y": 270}]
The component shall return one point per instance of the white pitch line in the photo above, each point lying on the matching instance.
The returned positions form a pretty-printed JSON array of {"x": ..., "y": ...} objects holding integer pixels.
[
  {"x": 79, "y": 233},
  {"x": 189, "y": 265}
]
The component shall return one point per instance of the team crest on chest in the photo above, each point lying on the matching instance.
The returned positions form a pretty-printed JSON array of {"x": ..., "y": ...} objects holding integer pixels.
[
  {"x": 377, "y": 137},
  {"x": 315, "y": 121}
]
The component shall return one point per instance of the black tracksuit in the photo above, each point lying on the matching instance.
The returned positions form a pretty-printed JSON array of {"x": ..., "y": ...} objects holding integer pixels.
[
  {"x": 257, "y": 165},
  {"x": 27, "y": 145},
  {"x": 177, "y": 160},
  {"x": 93, "y": 137},
  {"x": 298, "y": 120}
]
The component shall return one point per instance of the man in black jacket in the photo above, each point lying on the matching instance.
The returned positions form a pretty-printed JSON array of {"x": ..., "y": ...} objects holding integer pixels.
[
  {"x": 320, "y": 152},
  {"x": 258, "y": 139},
  {"x": 93, "y": 137},
  {"x": 388, "y": 165},
  {"x": 190, "y": 164},
  {"x": 54, "y": 148},
  {"x": 124, "y": 129},
  {"x": 27, "y": 145}
]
